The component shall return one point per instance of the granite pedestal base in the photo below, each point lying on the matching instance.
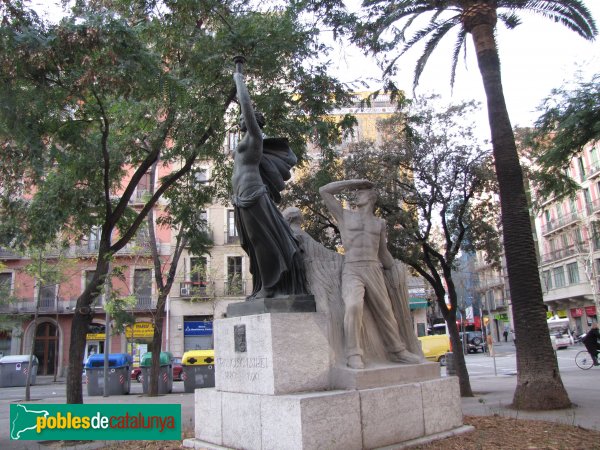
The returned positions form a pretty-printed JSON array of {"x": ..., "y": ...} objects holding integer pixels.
[
  {"x": 275, "y": 388},
  {"x": 354, "y": 419}
]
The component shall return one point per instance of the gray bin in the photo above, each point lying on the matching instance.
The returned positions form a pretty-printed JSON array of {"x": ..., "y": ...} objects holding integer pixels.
[
  {"x": 165, "y": 373},
  {"x": 119, "y": 380},
  {"x": 14, "y": 368},
  {"x": 165, "y": 379},
  {"x": 195, "y": 377}
]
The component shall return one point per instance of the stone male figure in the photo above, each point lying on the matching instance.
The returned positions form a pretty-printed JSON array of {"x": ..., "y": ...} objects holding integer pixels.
[{"x": 365, "y": 257}]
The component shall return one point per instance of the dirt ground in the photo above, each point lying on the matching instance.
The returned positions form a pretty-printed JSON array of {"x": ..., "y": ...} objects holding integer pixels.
[{"x": 491, "y": 433}]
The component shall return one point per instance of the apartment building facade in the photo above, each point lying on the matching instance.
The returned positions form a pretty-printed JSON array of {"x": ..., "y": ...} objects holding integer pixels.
[{"x": 569, "y": 231}]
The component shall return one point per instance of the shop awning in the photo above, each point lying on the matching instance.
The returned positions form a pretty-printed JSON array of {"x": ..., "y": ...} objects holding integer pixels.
[{"x": 417, "y": 303}]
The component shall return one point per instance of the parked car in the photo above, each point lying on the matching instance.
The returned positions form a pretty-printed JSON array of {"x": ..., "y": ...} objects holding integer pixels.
[
  {"x": 560, "y": 340},
  {"x": 435, "y": 347},
  {"x": 475, "y": 341},
  {"x": 136, "y": 372}
]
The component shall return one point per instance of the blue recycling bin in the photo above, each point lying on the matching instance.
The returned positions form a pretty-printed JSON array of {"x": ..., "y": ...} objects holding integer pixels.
[{"x": 119, "y": 381}]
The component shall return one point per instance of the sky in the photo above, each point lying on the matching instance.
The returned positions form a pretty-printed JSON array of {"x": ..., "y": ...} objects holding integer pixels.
[{"x": 536, "y": 57}]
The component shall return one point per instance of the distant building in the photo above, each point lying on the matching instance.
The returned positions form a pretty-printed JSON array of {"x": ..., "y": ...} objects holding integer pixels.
[{"x": 569, "y": 231}]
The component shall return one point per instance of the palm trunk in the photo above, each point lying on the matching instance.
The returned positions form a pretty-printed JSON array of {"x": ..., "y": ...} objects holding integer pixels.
[{"x": 539, "y": 385}]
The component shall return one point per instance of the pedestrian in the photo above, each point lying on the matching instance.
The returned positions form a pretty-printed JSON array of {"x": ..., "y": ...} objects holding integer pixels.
[
  {"x": 505, "y": 335},
  {"x": 591, "y": 342}
]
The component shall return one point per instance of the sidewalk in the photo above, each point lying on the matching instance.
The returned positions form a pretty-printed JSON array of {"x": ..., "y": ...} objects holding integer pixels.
[{"x": 494, "y": 395}]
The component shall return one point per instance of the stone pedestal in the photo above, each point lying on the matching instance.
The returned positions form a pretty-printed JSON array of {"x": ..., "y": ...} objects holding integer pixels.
[{"x": 275, "y": 389}]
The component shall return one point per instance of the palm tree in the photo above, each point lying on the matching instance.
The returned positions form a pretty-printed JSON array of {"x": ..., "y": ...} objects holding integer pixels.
[{"x": 539, "y": 385}]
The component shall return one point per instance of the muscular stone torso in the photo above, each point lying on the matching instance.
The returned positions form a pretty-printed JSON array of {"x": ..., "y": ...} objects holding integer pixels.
[{"x": 360, "y": 234}]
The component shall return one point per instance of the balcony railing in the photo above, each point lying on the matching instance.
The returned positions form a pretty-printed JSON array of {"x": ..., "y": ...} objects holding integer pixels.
[
  {"x": 229, "y": 239},
  {"x": 8, "y": 254},
  {"x": 563, "y": 253},
  {"x": 593, "y": 169},
  {"x": 46, "y": 306},
  {"x": 145, "y": 303},
  {"x": 234, "y": 288},
  {"x": 561, "y": 222},
  {"x": 189, "y": 289}
]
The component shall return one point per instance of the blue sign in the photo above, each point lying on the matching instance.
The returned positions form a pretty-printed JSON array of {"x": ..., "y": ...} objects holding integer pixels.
[{"x": 198, "y": 328}]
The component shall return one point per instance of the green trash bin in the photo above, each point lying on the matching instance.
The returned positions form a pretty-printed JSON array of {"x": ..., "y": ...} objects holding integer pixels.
[
  {"x": 198, "y": 369},
  {"x": 14, "y": 369},
  {"x": 119, "y": 381},
  {"x": 165, "y": 374}
]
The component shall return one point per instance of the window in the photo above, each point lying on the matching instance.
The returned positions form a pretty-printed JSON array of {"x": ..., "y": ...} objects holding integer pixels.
[
  {"x": 559, "y": 276},
  {"x": 547, "y": 279},
  {"x": 198, "y": 276},
  {"x": 5, "y": 285},
  {"x": 232, "y": 234},
  {"x": 573, "y": 273},
  {"x": 547, "y": 216},
  {"x": 588, "y": 199},
  {"x": 142, "y": 287},
  {"x": 596, "y": 236},
  {"x": 47, "y": 295},
  {"x": 89, "y": 275},
  {"x": 234, "y": 276},
  {"x": 233, "y": 139},
  {"x": 201, "y": 176},
  {"x": 581, "y": 168},
  {"x": 94, "y": 239}
]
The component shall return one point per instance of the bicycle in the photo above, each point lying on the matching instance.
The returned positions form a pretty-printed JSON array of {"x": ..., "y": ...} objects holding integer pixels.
[{"x": 583, "y": 360}]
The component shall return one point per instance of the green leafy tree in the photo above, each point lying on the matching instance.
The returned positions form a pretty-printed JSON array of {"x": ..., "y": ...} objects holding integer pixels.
[
  {"x": 90, "y": 104},
  {"x": 569, "y": 121},
  {"x": 385, "y": 31},
  {"x": 435, "y": 183}
]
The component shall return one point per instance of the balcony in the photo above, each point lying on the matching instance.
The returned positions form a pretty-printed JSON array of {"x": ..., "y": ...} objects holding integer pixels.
[
  {"x": 234, "y": 288},
  {"x": 8, "y": 254},
  {"x": 144, "y": 303},
  {"x": 562, "y": 253},
  {"x": 45, "y": 306},
  {"x": 230, "y": 239},
  {"x": 192, "y": 289},
  {"x": 139, "y": 197},
  {"x": 561, "y": 222},
  {"x": 593, "y": 170}
]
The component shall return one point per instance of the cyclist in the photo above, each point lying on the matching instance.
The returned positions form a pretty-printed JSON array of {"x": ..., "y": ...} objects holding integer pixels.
[{"x": 591, "y": 342}]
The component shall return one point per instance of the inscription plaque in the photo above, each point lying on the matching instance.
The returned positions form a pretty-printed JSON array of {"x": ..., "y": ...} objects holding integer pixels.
[{"x": 239, "y": 338}]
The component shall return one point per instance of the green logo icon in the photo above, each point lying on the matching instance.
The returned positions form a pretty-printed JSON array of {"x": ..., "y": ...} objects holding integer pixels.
[{"x": 95, "y": 422}]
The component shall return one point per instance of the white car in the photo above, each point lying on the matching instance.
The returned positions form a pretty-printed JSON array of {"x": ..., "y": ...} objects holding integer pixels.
[{"x": 560, "y": 340}]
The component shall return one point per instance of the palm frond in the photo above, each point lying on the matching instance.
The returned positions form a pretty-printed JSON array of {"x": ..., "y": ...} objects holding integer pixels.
[
  {"x": 510, "y": 19},
  {"x": 431, "y": 45},
  {"x": 571, "y": 13},
  {"x": 459, "y": 44}
]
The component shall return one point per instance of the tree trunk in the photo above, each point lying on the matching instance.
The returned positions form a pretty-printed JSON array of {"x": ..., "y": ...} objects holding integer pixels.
[
  {"x": 157, "y": 344},
  {"x": 79, "y": 328},
  {"x": 459, "y": 357},
  {"x": 539, "y": 385}
]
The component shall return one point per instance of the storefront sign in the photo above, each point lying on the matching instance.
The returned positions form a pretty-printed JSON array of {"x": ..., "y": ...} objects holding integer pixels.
[
  {"x": 95, "y": 336},
  {"x": 140, "y": 330},
  {"x": 199, "y": 328},
  {"x": 590, "y": 310},
  {"x": 576, "y": 312}
]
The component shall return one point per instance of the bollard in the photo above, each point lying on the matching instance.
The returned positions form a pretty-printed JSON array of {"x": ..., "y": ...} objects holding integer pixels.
[{"x": 450, "y": 366}]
